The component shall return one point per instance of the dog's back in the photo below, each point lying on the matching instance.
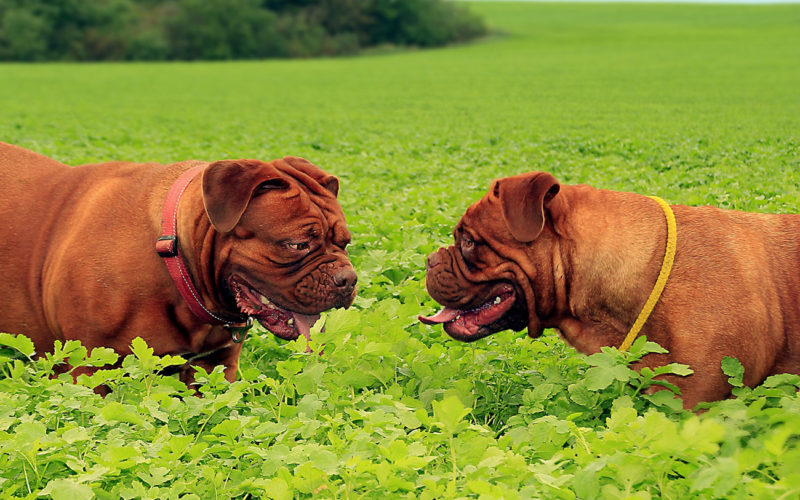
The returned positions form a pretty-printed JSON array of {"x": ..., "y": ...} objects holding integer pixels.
[
  {"x": 27, "y": 201},
  {"x": 61, "y": 228}
]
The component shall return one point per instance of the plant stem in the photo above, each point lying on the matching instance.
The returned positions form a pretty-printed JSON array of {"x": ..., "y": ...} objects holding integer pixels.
[{"x": 453, "y": 459}]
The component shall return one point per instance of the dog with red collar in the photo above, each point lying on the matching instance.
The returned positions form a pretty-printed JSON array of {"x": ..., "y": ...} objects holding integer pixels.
[{"x": 182, "y": 255}]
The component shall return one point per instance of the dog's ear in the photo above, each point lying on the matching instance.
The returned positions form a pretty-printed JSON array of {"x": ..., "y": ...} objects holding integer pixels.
[
  {"x": 522, "y": 200},
  {"x": 229, "y": 185},
  {"x": 326, "y": 180}
]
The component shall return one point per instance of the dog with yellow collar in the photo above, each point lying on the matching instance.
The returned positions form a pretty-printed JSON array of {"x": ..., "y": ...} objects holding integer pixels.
[{"x": 599, "y": 266}]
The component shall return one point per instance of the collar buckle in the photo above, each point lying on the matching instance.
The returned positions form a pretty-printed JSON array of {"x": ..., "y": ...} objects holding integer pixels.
[{"x": 167, "y": 245}]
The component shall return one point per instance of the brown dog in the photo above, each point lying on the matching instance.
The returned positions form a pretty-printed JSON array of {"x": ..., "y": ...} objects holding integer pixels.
[
  {"x": 533, "y": 253},
  {"x": 78, "y": 253}
]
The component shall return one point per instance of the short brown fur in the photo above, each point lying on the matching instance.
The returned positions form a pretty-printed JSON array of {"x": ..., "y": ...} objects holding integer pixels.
[
  {"x": 734, "y": 288},
  {"x": 78, "y": 260}
]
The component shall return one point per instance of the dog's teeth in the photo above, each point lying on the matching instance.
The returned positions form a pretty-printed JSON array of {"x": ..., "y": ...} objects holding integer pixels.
[
  {"x": 497, "y": 300},
  {"x": 290, "y": 322},
  {"x": 264, "y": 300}
]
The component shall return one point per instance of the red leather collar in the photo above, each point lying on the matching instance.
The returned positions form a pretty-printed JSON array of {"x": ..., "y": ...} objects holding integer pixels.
[{"x": 167, "y": 247}]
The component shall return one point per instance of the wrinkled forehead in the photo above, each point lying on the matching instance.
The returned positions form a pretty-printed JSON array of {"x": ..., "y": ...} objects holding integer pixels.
[
  {"x": 483, "y": 219},
  {"x": 326, "y": 204},
  {"x": 300, "y": 204},
  {"x": 306, "y": 174},
  {"x": 306, "y": 178}
]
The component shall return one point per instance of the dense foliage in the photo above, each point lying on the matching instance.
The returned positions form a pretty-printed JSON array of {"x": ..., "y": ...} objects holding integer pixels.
[
  {"x": 35, "y": 30},
  {"x": 376, "y": 413},
  {"x": 696, "y": 104}
]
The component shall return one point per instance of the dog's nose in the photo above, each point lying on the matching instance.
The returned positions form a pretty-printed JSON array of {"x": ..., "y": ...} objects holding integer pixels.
[
  {"x": 434, "y": 260},
  {"x": 345, "y": 278}
]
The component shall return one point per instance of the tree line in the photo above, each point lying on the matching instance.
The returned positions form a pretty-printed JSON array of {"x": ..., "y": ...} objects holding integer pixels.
[{"x": 96, "y": 30}]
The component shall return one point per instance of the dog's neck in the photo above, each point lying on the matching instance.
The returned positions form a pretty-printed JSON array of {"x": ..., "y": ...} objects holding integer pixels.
[
  {"x": 201, "y": 245},
  {"x": 605, "y": 263}
]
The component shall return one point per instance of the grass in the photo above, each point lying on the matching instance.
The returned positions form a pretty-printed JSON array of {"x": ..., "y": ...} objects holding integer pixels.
[{"x": 695, "y": 103}]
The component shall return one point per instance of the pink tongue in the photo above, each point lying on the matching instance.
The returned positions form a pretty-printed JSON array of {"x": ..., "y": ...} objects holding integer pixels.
[
  {"x": 304, "y": 322},
  {"x": 444, "y": 316}
]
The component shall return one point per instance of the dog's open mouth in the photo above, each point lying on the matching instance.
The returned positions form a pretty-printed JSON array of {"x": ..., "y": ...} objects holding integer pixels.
[
  {"x": 497, "y": 313},
  {"x": 283, "y": 323}
]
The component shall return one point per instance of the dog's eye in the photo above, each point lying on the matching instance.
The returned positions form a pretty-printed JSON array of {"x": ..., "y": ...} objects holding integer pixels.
[
  {"x": 467, "y": 243},
  {"x": 298, "y": 246}
]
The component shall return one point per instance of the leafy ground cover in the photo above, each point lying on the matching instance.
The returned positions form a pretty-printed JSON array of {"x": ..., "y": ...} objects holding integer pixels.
[{"x": 694, "y": 103}]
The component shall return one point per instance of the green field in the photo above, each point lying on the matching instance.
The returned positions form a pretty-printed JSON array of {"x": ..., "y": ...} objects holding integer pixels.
[{"x": 699, "y": 104}]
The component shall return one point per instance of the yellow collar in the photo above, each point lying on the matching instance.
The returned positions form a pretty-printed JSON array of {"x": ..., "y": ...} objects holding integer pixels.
[{"x": 663, "y": 276}]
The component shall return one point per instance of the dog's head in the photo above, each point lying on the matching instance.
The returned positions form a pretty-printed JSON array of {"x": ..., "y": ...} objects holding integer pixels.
[
  {"x": 486, "y": 280},
  {"x": 282, "y": 241}
]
